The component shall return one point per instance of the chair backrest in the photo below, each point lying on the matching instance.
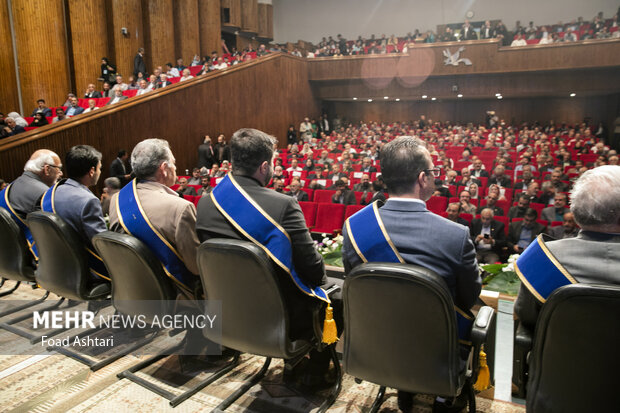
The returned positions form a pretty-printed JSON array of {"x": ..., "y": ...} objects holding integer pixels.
[
  {"x": 16, "y": 261},
  {"x": 254, "y": 314},
  {"x": 400, "y": 329},
  {"x": 576, "y": 347},
  {"x": 136, "y": 274},
  {"x": 63, "y": 264}
]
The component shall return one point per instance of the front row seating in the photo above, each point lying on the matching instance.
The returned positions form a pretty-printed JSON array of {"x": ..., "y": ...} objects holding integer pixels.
[
  {"x": 401, "y": 332},
  {"x": 574, "y": 364}
]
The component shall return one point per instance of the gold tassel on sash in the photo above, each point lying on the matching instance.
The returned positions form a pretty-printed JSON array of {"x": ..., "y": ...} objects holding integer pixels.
[
  {"x": 484, "y": 376},
  {"x": 330, "y": 333}
]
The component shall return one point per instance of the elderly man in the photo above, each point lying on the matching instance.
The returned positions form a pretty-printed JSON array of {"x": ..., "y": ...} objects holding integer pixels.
[
  {"x": 364, "y": 184},
  {"x": 144, "y": 88},
  {"x": 324, "y": 159},
  {"x": 568, "y": 229},
  {"x": 153, "y": 212},
  {"x": 453, "y": 211},
  {"x": 489, "y": 237},
  {"x": 492, "y": 204},
  {"x": 499, "y": 177},
  {"x": 184, "y": 188},
  {"x": 118, "y": 97},
  {"x": 591, "y": 257},
  {"x": 467, "y": 179},
  {"x": 466, "y": 205},
  {"x": 111, "y": 186},
  {"x": 236, "y": 198},
  {"x": 556, "y": 181},
  {"x": 92, "y": 105},
  {"x": 335, "y": 174},
  {"x": 522, "y": 233},
  {"x": 416, "y": 235},
  {"x": 76, "y": 204},
  {"x": 91, "y": 93},
  {"x": 296, "y": 191},
  {"x": 477, "y": 169},
  {"x": 555, "y": 212},
  {"x": 11, "y": 128},
  {"x": 367, "y": 165}
]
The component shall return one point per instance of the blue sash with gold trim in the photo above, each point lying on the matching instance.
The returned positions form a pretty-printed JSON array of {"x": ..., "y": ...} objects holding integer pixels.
[
  {"x": 249, "y": 218},
  {"x": 540, "y": 271},
  {"x": 95, "y": 263},
  {"x": 372, "y": 243},
  {"x": 4, "y": 203},
  {"x": 132, "y": 218}
]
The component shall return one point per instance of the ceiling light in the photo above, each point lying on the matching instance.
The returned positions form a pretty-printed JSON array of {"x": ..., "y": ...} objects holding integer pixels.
[
  {"x": 354, "y": 98},
  {"x": 433, "y": 98},
  {"x": 500, "y": 97},
  {"x": 386, "y": 97},
  {"x": 424, "y": 96},
  {"x": 397, "y": 99},
  {"x": 460, "y": 95},
  {"x": 573, "y": 95},
  {"x": 498, "y": 94},
  {"x": 370, "y": 100}
]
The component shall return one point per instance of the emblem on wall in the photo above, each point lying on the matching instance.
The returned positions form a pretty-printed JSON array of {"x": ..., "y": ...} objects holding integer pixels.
[{"x": 455, "y": 59}]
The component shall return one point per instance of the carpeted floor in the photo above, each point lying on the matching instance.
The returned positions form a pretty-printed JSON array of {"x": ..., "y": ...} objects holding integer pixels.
[{"x": 56, "y": 383}]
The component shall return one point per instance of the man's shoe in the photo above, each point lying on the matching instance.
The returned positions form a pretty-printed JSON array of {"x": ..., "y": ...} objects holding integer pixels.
[
  {"x": 455, "y": 405},
  {"x": 405, "y": 401}
]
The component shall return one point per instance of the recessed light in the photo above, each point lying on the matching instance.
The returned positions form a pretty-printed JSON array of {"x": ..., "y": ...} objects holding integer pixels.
[
  {"x": 386, "y": 97},
  {"x": 370, "y": 100},
  {"x": 500, "y": 97},
  {"x": 460, "y": 95},
  {"x": 397, "y": 99},
  {"x": 424, "y": 96},
  {"x": 573, "y": 95},
  {"x": 354, "y": 98},
  {"x": 433, "y": 98},
  {"x": 498, "y": 94}
]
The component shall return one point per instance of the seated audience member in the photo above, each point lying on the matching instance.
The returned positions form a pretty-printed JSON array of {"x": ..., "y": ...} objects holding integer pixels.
[
  {"x": 499, "y": 177},
  {"x": 184, "y": 189},
  {"x": 120, "y": 85},
  {"x": 205, "y": 186},
  {"x": 11, "y": 128},
  {"x": 39, "y": 120},
  {"x": 377, "y": 194},
  {"x": 335, "y": 174},
  {"x": 153, "y": 83},
  {"x": 72, "y": 201},
  {"x": 296, "y": 191},
  {"x": 119, "y": 168},
  {"x": 466, "y": 205},
  {"x": 522, "y": 233},
  {"x": 453, "y": 210},
  {"x": 41, "y": 108},
  {"x": 556, "y": 181},
  {"x": 591, "y": 257},
  {"x": 317, "y": 173},
  {"x": 67, "y": 103},
  {"x": 73, "y": 108},
  {"x": 186, "y": 75},
  {"x": 547, "y": 196},
  {"x": 195, "y": 178},
  {"x": 467, "y": 179},
  {"x": 491, "y": 204},
  {"x": 42, "y": 170},
  {"x": 488, "y": 236},
  {"x": 278, "y": 185},
  {"x": 294, "y": 167},
  {"x": 172, "y": 71},
  {"x": 343, "y": 194},
  {"x": 91, "y": 93},
  {"x": 144, "y": 88},
  {"x": 324, "y": 159},
  {"x": 92, "y": 105},
  {"x": 60, "y": 115},
  {"x": 472, "y": 188},
  {"x": 216, "y": 172},
  {"x": 252, "y": 164},
  {"x": 568, "y": 229},
  {"x": 418, "y": 236},
  {"x": 107, "y": 90},
  {"x": 133, "y": 84},
  {"x": 118, "y": 97},
  {"x": 451, "y": 178},
  {"x": 367, "y": 165},
  {"x": 555, "y": 212},
  {"x": 163, "y": 81},
  {"x": 519, "y": 41},
  {"x": 523, "y": 204},
  {"x": 478, "y": 170},
  {"x": 364, "y": 184},
  {"x": 111, "y": 186},
  {"x": 163, "y": 215},
  {"x": 532, "y": 191},
  {"x": 441, "y": 189}
]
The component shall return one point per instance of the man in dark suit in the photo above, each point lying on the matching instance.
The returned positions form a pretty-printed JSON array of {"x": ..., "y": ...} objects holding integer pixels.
[
  {"x": 467, "y": 32},
  {"x": 568, "y": 229},
  {"x": 499, "y": 177},
  {"x": 206, "y": 155},
  {"x": 522, "y": 233},
  {"x": 367, "y": 166},
  {"x": 421, "y": 237},
  {"x": 41, "y": 108},
  {"x": 91, "y": 93},
  {"x": 138, "y": 63},
  {"x": 74, "y": 109},
  {"x": 489, "y": 237},
  {"x": 492, "y": 204},
  {"x": 336, "y": 174},
  {"x": 518, "y": 211},
  {"x": 377, "y": 194},
  {"x": 453, "y": 211},
  {"x": 252, "y": 168},
  {"x": 343, "y": 194},
  {"x": 296, "y": 191},
  {"x": 119, "y": 167},
  {"x": 555, "y": 212},
  {"x": 11, "y": 128},
  {"x": 222, "y": 151},
  {"x": 477, "y": 170}
]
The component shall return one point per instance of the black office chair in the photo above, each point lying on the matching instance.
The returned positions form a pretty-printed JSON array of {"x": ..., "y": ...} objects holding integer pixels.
[
  {"x": 574, "y": 365},
  {"x": 254, "y": 313},
  {"x": 140, "y": 287},
  {"x": 401, "y": 332},
  {"x": 16, "y": 261}
]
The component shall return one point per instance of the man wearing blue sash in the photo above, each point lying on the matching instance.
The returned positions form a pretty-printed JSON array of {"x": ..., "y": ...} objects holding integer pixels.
[
  {"x": 403, "y": 230},
  {"x": 152, "y": 212},
  {"x": 241, "y": 207},
  {"x": 592, "y": 257},
  {"x": 77, "y": 205},
  {"x": 23, "y": 195}
]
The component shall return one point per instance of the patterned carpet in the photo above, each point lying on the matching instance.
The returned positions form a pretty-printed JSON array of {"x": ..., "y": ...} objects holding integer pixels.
[{"x": 56, "y": 383}]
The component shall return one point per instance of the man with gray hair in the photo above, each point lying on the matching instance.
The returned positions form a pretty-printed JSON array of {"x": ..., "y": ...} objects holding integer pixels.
[
  {"x": 592, "y": 257},
  {"x": 153, "y": 212}
]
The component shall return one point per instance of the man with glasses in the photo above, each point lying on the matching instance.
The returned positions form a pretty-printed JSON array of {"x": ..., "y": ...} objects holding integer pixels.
[{"x": 419, "y": 236}]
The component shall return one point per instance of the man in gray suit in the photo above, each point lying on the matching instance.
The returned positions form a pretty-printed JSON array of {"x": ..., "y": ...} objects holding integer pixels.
[
  {"x": 73, "y": 201},
  {"x": 593, "y": 256},
  {"x": 555, "y": 212},
  {"x": 568, "y": 229},
  {"x": 41, "y": 171}
]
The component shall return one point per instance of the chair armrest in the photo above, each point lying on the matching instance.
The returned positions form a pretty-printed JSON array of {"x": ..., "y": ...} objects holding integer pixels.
[
  {"x": 523, "y": 338},
  {"x": 522, "y": 347},
  {"x": 482, "y": 325}
]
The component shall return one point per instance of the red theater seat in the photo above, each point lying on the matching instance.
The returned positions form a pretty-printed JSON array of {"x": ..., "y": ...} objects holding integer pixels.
[
  {"x": 437, "y": 204},
  {"x": 352, "y": 209},
  {"x": 324, "y": 196},
  {"x": 329, "y": 218},
  {"x": 309, "y": 210}
]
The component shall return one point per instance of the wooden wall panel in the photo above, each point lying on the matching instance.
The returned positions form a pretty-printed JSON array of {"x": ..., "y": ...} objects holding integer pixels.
[
  {"x": 89, "y": 39},
  {"x": 186, "y": 29},
  {"x": 267, "y": 94},
  {"x": 158, "y": 23},
  {"x": 249, "y": 16},
  {"x": 265, "y": 21},
  {"x": 8, "y": 80},
  {"x": 128, "y": 14},
  {"x": 234, "y": 13},
  {"x": 243, "y": 42},
  {"x": 486, "y": 57},
  {"x": 210, "y": 27},
  {"x": 41, "y": 51}
]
